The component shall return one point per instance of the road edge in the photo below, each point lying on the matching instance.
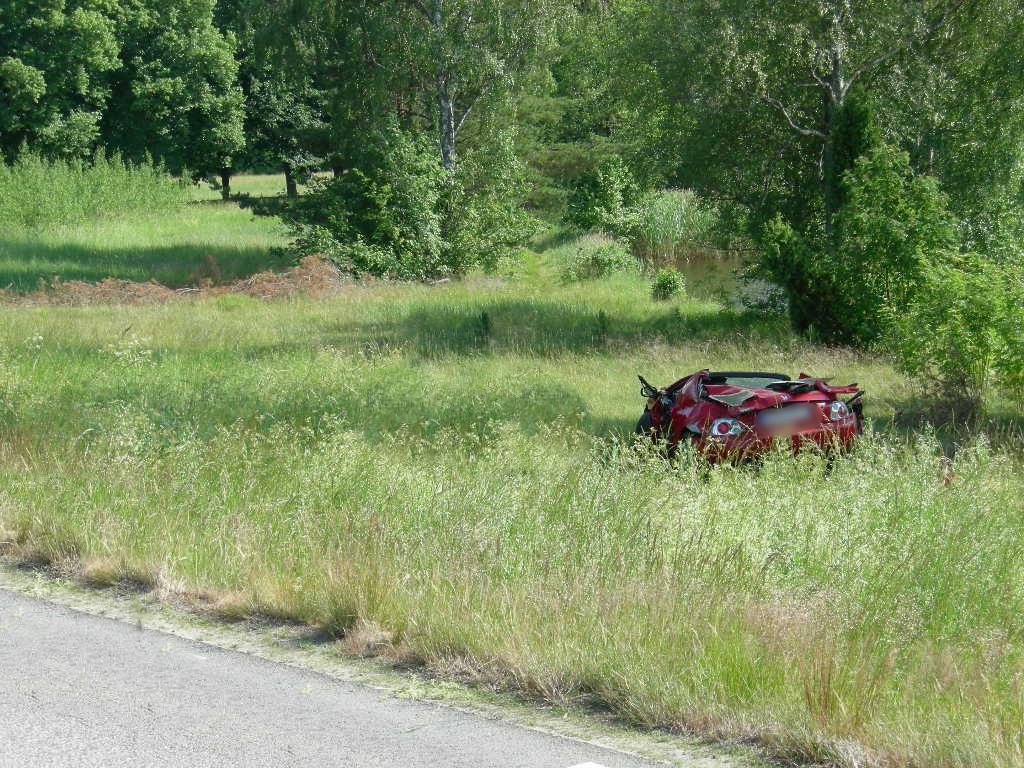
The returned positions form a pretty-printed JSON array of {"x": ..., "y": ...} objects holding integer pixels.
[{"x": 301, "y": 647}]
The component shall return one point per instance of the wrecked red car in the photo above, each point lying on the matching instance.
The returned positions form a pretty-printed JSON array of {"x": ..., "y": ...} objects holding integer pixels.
[{"x": 732, "y": 415}]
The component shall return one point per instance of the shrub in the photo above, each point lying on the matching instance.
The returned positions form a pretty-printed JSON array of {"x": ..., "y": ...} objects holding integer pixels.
[
  {"x": 671, "y": 224},
  {"x": 795, "y": 264},
  {"x": 381, "y": 217},
  {"x": 839, "y": 285},
  {"x": 604, "y": 199},
  {"x": 36, "y": 193},
  {"x": 399, "y": 213},
  {"x": 893, "y": 225},
  {"x": 668, "y": 282},
  {"x": 596, "y": 257},
  {"x": 485, "y": 221},
  {"x": 962, "y": 333}
]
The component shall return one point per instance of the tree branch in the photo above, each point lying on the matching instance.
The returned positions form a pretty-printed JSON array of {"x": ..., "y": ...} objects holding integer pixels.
[
  {"x": 473, "y": 102},
  {"x": 906, "y": 42},
  {"x": 792, "y": 123},
  {"x": 420, "y": 6},
  {"x": 819, "y": 80}
]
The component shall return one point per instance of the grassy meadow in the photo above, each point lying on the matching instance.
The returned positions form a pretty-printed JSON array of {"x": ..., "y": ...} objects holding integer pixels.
[
  {"x": 177, "y": 248},
  {"x": 444, "y": 474},
  {"x": 60, "y": 223}
]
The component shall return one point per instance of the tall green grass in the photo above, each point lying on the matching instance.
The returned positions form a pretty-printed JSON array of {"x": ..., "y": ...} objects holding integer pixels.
[
  {"x": 864, "y": 615},
  {"x": 37, "y": 193},
  {"x": 177, "y": 247},
  {"x": 671, "y": 226},
  {"x": 389, "y": 463},
  {"x": 74, "y": 220}
]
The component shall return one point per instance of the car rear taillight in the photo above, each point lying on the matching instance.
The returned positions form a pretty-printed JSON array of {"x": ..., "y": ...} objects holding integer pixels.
[
  {"x": 725, "y": 428},
  {"x": 837, "y": 410}
]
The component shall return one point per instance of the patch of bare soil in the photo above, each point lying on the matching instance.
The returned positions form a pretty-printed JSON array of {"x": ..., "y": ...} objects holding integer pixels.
[{"x": 313, "y": 277}]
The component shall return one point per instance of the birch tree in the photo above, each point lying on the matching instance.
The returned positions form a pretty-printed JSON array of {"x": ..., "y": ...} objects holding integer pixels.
[
  {"x": 750, "y": 91},
  {"x": 430, "y": 63},
  {"x": 475, "y": 47}
]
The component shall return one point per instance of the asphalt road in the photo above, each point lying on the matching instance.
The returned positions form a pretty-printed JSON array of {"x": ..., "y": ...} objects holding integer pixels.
[{"x": 82, "y": 690}]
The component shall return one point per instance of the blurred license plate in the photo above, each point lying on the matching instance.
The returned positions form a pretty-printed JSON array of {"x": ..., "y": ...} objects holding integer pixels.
[{"x": 787, "y": 416}]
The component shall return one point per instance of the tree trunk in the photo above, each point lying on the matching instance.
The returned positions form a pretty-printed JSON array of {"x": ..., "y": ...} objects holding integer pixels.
[
  {"x": 833, "y": 98},
  {"x": 445, "y": 97},
  {"x": 829, "y": 182},
  {"x": 446, "y": 107},
  {"x": 291, "y": 188},
  {"x": 225, "y": 183}
]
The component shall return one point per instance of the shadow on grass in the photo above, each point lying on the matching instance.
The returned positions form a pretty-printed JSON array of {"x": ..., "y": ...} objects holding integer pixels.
[
  {"x": 382, "y": 404},
  {"x": 549, "y": 328},
  {"x": 999, "y": 424},
  {"x": 25, "y": 266},
  {"x": 554, "y": 238}
]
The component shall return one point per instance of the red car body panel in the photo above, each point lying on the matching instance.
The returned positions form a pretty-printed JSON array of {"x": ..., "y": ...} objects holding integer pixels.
[{"x": 796, "y": 412}]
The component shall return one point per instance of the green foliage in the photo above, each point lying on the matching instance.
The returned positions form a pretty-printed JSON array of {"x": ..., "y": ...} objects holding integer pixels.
[
  {"x": 596, "y": 257},
  {"x": 662, "y": 227},
  {"x": 855, "y": 133},
  {"x": 444, "y": 68},
  {"x": 55, "y": 68},
  {"x": 37, "y": 193},
  {"x": 962, "y": 333},
  {"x": 893, "y": 224},
  {"x": 668, "y": 283},
  {"x": 399, "y": 213},
  {"x": 800, "y": 267},
  {"x": 741, "y": 100},
  {"x": 285, "y": 121},
  {"x": 284, "y": 124},
  {"x": 603, "y": 199},
  {"x": 483, "y": 213},
  {"x": 151, "y": 78},
  {"x": 566, "y": 122},
  {"x": 670, "y": 225},
  {"x": 175, "y": 95},
  {"x": 383, "y": 216}
]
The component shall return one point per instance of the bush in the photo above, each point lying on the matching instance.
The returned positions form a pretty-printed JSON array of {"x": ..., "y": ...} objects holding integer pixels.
[
  {"x": 381, "y": 217},
  {"x": 596, "y": 257},
  {"x": 399, "y": 213},
  {"x": 662, "y": 227},
  {"x": 892, "y": 225},
  {"x": 485, "y": 221},
  {"x": 668, "y": 282},
  {"x": 796, "y": 265},
  {"x": 962, "y": 333},
  {"x": 35, "y": 192},
  {"x": 669, "y": 225},
  {"x": 604, "y": 199}
]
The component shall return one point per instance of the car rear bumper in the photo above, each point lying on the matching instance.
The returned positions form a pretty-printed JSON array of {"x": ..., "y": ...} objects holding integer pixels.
[{"x": 828, "y": 436}]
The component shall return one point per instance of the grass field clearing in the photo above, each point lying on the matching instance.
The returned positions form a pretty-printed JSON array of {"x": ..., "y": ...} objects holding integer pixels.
[
  {"x": 387, "y": 463},
  {"x": 183, "y": 242},
  {"x": 176, "y": 248}
]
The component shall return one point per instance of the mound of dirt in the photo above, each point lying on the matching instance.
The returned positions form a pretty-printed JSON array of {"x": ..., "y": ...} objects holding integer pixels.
[
  {"x": 79, "y": 293},
  {"x": 313, "y": 277}
]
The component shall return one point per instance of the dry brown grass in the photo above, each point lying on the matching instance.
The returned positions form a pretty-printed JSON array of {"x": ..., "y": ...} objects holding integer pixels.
[{"x": 313, "y": 277}]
